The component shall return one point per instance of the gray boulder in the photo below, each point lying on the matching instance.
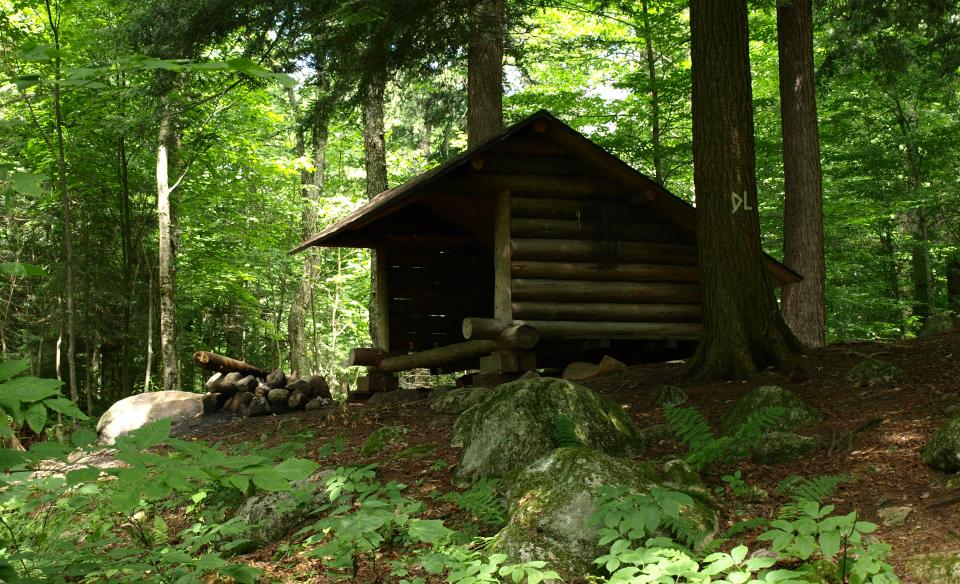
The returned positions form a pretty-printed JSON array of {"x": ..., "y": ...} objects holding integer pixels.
[
  {"x": 796, "y": 411},
  {"x": 943, "y": 450},
  {"x": 874, "y": 372},
  {"x": 246, "y": 384},
  {"x": 276, "y": 379},
  {"x": 671, "y": 396},
  {"x": 258, "y": 406},
  {"x": 515, "y": 425},
  {"x": 139, "y": 410},
  {"x": 551, "y": 503},
  {"x": 937, "y": 567},
  {"x": 301, "y": 385},
  {"x": 319, "y": 387},
  {"x": 298, "y": 401},
  {"x": 317, "y": 403},
  {"x": 278, "y": 396},
  {"x": 270, "y": 516},
  {"x": 457, "y": 401},
  {"x": 782, "y": 447}
]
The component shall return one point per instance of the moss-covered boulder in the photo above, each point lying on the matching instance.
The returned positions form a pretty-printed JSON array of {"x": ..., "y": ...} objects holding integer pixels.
[
  {"x": 268, "y": 517},
  {"x": 515, "y": 425},
  {"x": 551, "y": 503},
  {"x": 874, "y": 372},
  {"x": 382, "y": 437},
  {"x": 796, "y": 411},
  {"x": 943, "y": 450},
  {"x": 941, "y": 567},
  {"x": 457, "y": 401},
  {"x": 782, "y": 447},
  {"x": 671, "y": 396}
]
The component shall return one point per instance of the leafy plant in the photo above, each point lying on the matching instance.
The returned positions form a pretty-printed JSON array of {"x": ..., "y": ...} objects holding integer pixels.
[
  {"x": 803, "y": 490},
  {"x": 482, "y": 502},
  {"x": 838, "y": 539}
]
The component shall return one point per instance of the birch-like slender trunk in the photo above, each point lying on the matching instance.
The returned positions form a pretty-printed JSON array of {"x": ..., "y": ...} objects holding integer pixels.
[
  {"x": 167, "y": 256},
  {"x": 54, "y": 22}
]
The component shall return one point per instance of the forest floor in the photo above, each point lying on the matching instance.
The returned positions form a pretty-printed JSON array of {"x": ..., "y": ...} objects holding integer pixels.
[{"x": 883, "y": 461}]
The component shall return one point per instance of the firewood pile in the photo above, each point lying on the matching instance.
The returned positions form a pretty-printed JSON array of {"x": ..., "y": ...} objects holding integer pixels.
[{"x": 247, "y": 391}]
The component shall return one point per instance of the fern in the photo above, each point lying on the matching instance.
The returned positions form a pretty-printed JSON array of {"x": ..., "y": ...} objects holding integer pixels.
[
  {"x": 482, "y": 502},
  {"x": 705, "y": 447},
  {"x": 802, "y": 490},
  {"x": 565, "y": 433}
]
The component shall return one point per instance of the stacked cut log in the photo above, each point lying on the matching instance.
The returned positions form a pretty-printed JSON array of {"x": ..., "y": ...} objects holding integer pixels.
[{"x": 247, "y": 391}]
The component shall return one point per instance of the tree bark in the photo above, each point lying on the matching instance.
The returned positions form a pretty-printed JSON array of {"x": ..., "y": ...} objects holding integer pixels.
[
  {"x": 374, "y": 146},
  {"x": 804, "y": 307},
  {"x": 54, "y": 22},
  {"x": 167, "y": 256},
  {"x": 311, "y": 191},
  {"x": 743, "y": 331},
  {"x": 485, "y": 71}
]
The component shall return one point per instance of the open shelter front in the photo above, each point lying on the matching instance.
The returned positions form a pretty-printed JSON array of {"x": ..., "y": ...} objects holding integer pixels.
[{"x": 528, "y": 248}]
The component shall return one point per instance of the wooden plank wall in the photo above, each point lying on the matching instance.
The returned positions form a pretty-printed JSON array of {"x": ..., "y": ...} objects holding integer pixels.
[
  {"x": 589, "y": 257},
  {"x": 432, "y": 289}
]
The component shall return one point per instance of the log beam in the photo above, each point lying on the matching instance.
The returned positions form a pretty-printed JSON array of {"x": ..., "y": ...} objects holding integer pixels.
[
  {"x": 365, "y": 357},
  {"x": 603, "y": 251},
  {"x": 605, "y": 272},
  {"x": 587, "y": 291},
  {"x": 610, "y": 312},
  {"x": 212, "y": 362},
  {"x": 569, "y": 330}
]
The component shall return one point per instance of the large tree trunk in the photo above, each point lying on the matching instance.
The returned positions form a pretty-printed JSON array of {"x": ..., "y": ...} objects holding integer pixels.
[
  {"x": 167, "y": 257},
  {"x": 485, "y": 71},
  {"x": 920, "y": 268},
  {"x": 804, "y": 308},
  {"x": 311, "y": 193},
  {"x": 54, "y": 22},
  {"x": 374, "y": 145},
  {"x": 743, "y": 331}
]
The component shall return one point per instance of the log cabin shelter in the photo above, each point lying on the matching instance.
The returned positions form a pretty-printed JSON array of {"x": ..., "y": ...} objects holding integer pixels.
[{"x": 522, "y": 251}]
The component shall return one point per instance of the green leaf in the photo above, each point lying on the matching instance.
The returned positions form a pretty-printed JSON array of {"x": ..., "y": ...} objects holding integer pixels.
[
  {"x": 830, "y": 544},
  {"x": 152, "y": 434},
  {"x": 296, "y": 469},
  {"x": 269, "y": 480},
  {"x": 38, "y": 53},
  {"x": 431, "y": 531},
  {"x": 83, "y": 437},
  {"x": 36, "y": 416},
  {"x": 7, "y": 572},
  {"x": 21, "y": 270},
  {"x": 240, "y": 482},
  {"x": 30, "y": 389},
  {"x": 5, "y": 430},
  {"x": 82, "y": 475},
  {"x": 65, "y": 407},
  {"x": 28, "y": 184},
  {"x": 10, "y": 369},
  {"x": 242, "y": 574},
  {"x": 11, "y": 458}
]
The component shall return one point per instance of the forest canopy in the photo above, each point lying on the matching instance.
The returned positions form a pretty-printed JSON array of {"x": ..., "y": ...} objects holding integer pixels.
[{"x": 262, "y": 116}]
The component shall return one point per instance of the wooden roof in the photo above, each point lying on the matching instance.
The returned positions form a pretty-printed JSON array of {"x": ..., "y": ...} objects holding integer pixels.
[{"x": 388, "y": 202}]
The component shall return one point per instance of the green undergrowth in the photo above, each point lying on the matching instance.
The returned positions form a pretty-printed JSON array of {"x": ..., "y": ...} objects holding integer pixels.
[{"x": 166, "y": 515}]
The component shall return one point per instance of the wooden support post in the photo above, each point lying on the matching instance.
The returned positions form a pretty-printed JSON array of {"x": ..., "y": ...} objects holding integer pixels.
[
  {"x": 501, "y": 259},
  {"x": 383, "y": 300}
]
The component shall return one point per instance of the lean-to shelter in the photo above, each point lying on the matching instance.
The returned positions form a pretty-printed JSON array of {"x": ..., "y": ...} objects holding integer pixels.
[{"x": 533, "y": 244}]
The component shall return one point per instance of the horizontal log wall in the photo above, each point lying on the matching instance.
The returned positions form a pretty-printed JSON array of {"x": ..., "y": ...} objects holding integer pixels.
[{"x": 591, "y": 259}]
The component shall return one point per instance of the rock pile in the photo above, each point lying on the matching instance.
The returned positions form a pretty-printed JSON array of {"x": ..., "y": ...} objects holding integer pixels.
[{"x": 276, "y": 393}]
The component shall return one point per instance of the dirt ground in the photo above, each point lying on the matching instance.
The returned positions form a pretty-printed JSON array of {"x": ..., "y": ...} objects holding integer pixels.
[{"x": 883, "y": 461}]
